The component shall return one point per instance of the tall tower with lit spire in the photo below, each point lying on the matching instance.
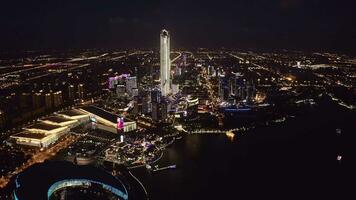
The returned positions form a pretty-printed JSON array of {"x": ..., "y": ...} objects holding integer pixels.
[{"x": 165, "y": 72}]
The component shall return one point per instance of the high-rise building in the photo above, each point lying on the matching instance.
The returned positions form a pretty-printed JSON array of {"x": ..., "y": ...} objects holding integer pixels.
[
  {"x": 57, "y": 99},
  {"x": 175, "y": 88},
  {"x": 159, "y": 106},
  {"x": 165, "y": 70},
  {"x": 185, "y": 60},
  {"x": 121, "y": 90},
  {"x": 250, "y": 92},
  {"x": 112, "y": 82},
  {"x": 164, "y": 110},
  {"x": 135, "y": 110},
  {"x": 223, "y": 88},
  {"x": 80, "y": 91},
  {"x": 134, "y": 92},
  {"x": 37, "y": 100},
  {"x": 48, "y": 101},
  {"x": 155, "y": 111},
  {"x": 156, "y": 96},
  {"x": 146, "y": 104},
  {"x": 131, "y": 84},
  {"x": 25, "y": 100},
  {"x": 241, "y": 89},
  {"x": 71, "y": 93}
]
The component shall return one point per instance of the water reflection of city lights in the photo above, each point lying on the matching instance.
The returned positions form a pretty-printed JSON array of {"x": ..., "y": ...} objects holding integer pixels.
[
  {"x": 289, "y": 78},
  {"x": 260, "y": 97},
  {"x": 230, "y": 135}
]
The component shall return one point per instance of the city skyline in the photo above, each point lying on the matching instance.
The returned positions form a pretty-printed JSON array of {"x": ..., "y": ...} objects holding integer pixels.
[
  {"x": 108, "y": 110},
  {"x": 171, "y": 100}
]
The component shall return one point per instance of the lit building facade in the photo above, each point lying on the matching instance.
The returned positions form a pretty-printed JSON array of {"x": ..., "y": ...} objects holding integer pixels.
[
  {"x": 108, "y": 121},
  {"x": 81, "y": 91},
  {"x": 131, "y": 84},
  {"x": 165, "y": 70},
  {"x": 40, "y": 134}
]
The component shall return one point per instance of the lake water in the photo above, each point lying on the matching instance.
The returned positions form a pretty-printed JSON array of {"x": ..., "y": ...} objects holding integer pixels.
[{"x": 291, "y": 160}]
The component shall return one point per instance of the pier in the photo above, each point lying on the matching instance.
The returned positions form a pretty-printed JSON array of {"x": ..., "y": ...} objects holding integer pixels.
[{"x": 158, "y": 169}]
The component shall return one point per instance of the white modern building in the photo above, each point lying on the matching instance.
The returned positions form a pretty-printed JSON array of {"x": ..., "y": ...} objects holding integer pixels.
[
  {"x": 131, "y": 84},
  {"x": 165, "y": 71},
  {"x": 40, "y": 134},
  {"x": 49, "y": 129},
  {"x": 36, "y": 139}
]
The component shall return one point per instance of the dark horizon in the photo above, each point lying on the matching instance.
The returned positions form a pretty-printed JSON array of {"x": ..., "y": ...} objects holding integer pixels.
[{"x": 275, "y": 25}]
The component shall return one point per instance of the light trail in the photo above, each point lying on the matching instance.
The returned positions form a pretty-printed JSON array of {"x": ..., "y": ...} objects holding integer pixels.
[{"x": 140, "y": 184}]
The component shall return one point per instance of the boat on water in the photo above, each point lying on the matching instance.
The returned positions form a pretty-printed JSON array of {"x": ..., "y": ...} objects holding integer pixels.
[{"x": 338, "y": 131}]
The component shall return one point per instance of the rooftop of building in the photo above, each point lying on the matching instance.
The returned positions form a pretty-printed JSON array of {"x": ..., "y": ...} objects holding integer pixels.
[
  {"x": 103, "y": 113},
  {"x": 72, "y": 113},
  {"x": 57, "y": 119},
  {"x": 43, "y": 126},
  {"x": 26, "y": 134}
]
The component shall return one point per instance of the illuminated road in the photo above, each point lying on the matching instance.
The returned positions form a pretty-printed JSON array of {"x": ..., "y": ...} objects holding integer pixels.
[
  {"x": 210, "y": 89},
  {"x": 88, "y": 58},
  {"x": 235, "y": 56},
  {"x": 39, "y": 157},
  {"x": 56, "y": 72},
  {"x": 52, "y": 64},
  {"x": 123, "y": 56},
  {"x": 28, "y": 69},
  {"x": 254, "y": 64},
  {"x": 174, "y": 59}
]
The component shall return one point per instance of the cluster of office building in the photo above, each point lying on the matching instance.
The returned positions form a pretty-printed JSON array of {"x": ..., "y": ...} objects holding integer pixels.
[
  {"x": 236, "y": 88},
  {"x": 124, "y": 85}
]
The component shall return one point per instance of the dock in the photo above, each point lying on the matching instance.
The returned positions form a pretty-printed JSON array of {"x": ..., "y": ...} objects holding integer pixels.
[{"x": 158, "y": 169}]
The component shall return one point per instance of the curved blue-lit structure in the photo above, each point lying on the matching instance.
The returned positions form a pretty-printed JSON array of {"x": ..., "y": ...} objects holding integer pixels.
[{"x": 40, "y": 181}]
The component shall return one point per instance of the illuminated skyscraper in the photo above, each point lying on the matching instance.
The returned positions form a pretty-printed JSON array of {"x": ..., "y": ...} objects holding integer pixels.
[
  {"x": 71, "y": 93},
  {"x": 48, "y": 101},
  {"x": 81, "y": 91},
  {"x": 131, "y": 84},
  {"x": 2, "y": 120},
  {"x": 156, "y": 96},
  {"x": 165, "y": 63}
]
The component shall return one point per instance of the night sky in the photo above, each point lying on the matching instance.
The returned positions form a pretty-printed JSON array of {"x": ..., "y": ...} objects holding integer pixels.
[{"x": 327, "y": 25}]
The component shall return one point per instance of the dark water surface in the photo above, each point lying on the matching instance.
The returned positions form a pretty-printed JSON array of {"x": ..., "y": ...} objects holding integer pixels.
[{"x": 291, "y": 160}]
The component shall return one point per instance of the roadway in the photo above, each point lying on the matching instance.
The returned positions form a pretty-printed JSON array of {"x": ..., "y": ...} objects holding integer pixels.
[
  {"x": 123, "y": 56},
  {"x": 40, "y": 157},
  {"x": 174, "y": 59}
]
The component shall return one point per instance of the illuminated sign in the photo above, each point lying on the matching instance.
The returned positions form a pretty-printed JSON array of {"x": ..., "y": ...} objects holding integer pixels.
[{"x": 120, "y": 123}]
